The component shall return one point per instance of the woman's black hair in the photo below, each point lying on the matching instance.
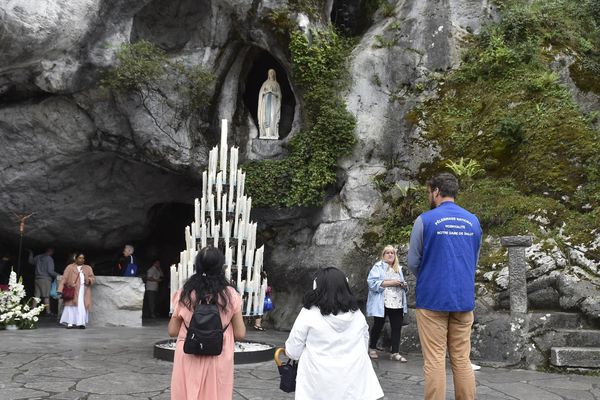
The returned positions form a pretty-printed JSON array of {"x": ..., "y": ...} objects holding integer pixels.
[
  {"x": 209, "y": 280},
  {"x": 332, "y": 294}
]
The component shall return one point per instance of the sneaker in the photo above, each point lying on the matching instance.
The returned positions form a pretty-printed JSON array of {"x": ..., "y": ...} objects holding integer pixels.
[
  {"x": 373, "y": 353},
  {"x": 397, "y": 357},
  {"x": 475, "y": 367}
]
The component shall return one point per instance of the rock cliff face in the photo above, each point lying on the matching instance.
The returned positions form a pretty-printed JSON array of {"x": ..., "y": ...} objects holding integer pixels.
[{"x": 92, "y": 164}]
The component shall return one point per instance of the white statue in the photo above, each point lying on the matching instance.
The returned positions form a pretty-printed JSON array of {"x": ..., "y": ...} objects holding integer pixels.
[{"x": 269, "y": 107}]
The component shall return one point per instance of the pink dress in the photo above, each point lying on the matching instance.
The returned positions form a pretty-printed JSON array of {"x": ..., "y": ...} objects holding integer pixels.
[{"x": 204, "y": 377}]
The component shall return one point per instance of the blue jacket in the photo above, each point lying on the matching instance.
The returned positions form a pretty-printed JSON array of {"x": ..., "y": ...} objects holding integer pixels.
[
  {"x": 375, "y": 300},
  {"x": 443, "y": 254}
]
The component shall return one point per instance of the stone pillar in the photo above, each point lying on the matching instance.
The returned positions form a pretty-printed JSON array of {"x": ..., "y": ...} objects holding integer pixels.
[
  {"x": 517, "y": 272},
  {"x": 517, "y": 289}
]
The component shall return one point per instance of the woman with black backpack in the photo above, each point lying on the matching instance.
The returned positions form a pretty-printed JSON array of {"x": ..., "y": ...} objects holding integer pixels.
[{"x": 197, "y": 376}]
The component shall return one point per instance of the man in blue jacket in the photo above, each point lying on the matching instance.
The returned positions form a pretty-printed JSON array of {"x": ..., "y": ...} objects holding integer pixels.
[{"x": 443, "y": 254}]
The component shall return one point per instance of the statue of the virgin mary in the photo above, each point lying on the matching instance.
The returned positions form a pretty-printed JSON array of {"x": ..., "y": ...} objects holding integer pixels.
[{"x": 269, "y": 107}]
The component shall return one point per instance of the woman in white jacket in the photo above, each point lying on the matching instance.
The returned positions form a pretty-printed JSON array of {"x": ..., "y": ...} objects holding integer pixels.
[{"x": 330, "y": 339}]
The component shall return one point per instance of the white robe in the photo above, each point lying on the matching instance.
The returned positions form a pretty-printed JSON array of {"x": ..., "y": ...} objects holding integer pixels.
[
  {"x": 333, "y": 357},
  {"x": 76, "y": 315}
]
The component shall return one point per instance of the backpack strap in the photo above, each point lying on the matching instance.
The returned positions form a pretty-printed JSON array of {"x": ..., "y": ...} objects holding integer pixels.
[{"x": 223, "y": 329}]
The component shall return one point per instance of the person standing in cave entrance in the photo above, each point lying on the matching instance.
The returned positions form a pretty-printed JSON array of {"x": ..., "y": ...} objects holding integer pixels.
[
  {"x": 44, "y": 273},
  {"x": 124, "y": 261},
  {"x": 81, "y": 277},
  {"x": 269, "y": 107},
  {"x": 153, "y": 278},
  {"x": 5, "y": 268}
]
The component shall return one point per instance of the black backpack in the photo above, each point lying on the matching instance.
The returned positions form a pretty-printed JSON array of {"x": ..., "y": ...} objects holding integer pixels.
[{"x": 205, "y": 333}]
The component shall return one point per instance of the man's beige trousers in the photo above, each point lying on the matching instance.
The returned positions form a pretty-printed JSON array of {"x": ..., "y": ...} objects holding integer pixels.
[{"x": 440, "y": 331}]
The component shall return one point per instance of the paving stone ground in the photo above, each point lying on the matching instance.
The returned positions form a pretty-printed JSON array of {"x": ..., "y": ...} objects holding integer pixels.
[{"x": 117, "y": 364}]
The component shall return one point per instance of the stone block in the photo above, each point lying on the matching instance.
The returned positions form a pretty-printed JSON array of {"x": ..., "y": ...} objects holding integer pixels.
[
  {"x": 117, "y": 301},
  {"x": 582, "y": 357},
  {"x": 516, "y": 241}
]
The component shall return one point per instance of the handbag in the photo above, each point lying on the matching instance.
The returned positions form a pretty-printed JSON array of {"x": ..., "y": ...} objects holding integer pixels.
[
  {"x": 130, "y": 270},
  {"x": 268, "y": 304},
  {"x": 68, "y": 293},
  {"x": 53, "y": 288},
  {"x": 287, "y": 372}
]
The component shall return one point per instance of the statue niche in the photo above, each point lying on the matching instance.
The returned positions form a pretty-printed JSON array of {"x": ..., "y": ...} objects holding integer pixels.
[{"x": 269, "y": 107}]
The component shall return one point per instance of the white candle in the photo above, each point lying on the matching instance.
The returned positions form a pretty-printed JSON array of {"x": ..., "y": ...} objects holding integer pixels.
[
  {"x": 180, "y": 276},
  {"x": 228, "y": 263},
  {"x": 261, "y": 300},
  {"x": 226, "y": 233},
  {"x": 216, "y": 236},
  {"x": 203, "y": 211},
  {"x": 173, "y": 287},
  {"x": 230, "y": 198},
  {"x": 193, "y": 236},
  {"x": 235, "y": 152},
  {"x": 219, "y": 190},
  {"x": 235, "y": 219},
  {"x": 238, "y": 263},
  {"x": 197, "y": 213},
  {"x": 224, "y": 148},
  {"x": 204, "y": 183},
  {"x": 224, "y": 209},
  {"x": 203, "y": 236},
  {"x": 211, "y": 201},
  {"x": 242, "y": 183},
  {"x": 255, "y": 299},
  {"x": 238, "y": 192},
  {"x": 214, "y": 152}
]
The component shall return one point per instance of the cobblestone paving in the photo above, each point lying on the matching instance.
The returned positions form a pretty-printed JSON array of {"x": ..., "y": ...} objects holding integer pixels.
[{"x": 118, "y": 364}]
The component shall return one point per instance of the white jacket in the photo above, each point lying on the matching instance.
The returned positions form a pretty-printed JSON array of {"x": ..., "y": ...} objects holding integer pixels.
[{"x": 333, "y": 357}]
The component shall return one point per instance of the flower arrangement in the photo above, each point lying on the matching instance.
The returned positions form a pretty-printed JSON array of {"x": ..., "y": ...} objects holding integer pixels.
[{"x": 12, "y": 309}]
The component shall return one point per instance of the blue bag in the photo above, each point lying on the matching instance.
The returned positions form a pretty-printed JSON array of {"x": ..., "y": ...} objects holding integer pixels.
[
  {"x": 268, "y": 305},
  {"x": 53, "y": 288},
  {"x": 130, "y": 270}
]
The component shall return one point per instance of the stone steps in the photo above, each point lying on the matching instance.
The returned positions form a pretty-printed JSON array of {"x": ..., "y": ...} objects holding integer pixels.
[
  {"x": 558, "y": 320},
  {"x": 572, "y": 340},
  {"x": 577, "y": 338},
  {"x": 575, "y": 357}
]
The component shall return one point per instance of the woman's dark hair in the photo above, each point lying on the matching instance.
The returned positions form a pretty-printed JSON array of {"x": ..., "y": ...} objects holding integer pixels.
[
  {"x": 332, "y": 293},
  {"x": 209, "y": 280}
]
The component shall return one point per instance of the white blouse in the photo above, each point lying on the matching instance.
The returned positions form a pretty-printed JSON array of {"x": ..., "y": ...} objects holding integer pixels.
[{"x": 333, "y": 357}]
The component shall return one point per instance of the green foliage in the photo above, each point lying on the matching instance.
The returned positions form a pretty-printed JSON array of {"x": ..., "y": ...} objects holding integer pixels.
[
  {"x": 140, "y": 66},
  {"x": 388, "y": 9},
  {"x": 510, "y": 131},
  {"x": 145, "y": 69},
  {"x": 280, "y": 19},
  {"x": 464, "y": 169},
  {"x": 319, "y": 67},
  {"x": 397, "y": 224},
  {"x": 384, "y": 42},
  {"x": 594, "y": 10},
  {"x": 506, "y": 109}
]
